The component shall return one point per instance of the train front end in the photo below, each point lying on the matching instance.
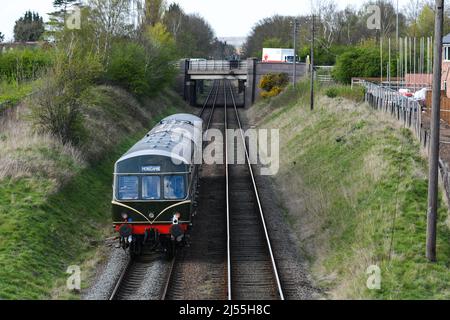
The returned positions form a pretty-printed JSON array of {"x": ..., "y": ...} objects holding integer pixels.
[{"x": 155, "y": 188}]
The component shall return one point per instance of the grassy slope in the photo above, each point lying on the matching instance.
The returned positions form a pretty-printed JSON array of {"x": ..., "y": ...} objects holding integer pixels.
[
  {"x": 42, "y": 231},
  {"x": 347, "y": 174}
]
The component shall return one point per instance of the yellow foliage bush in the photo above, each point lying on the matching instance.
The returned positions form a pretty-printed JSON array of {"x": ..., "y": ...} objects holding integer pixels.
[{"x": 273, "y": 84}]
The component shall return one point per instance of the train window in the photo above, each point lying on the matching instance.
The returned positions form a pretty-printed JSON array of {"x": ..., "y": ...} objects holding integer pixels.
[
  {"x": 151, "y": 188},
  {"x": 174, "y": 187},
  {"x": 128, "y": 188}
]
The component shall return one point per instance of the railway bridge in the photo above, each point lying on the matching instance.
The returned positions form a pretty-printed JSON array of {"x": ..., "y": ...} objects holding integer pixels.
[{"x": 247, "y": 74}]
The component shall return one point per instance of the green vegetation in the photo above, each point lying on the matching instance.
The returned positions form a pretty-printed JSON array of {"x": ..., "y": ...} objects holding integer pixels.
[
  {"x": 54, "y": 206},
  {"x": 356, "y": 94},
  {"x": 30, "y": 27},
  {"x": 102, "y": 87},
  {"x": 13, "y": 93},
  {"x": 354, "y": 182},
  {"x": 362, "y": 61},
  {"x": 21, "y": 65},
  {"x": 273, "y": 84},
  {"x": 19, "y": 70}
]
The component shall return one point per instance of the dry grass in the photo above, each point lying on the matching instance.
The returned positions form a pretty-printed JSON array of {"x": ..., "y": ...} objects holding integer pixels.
[{"x": 26, "y": 153}]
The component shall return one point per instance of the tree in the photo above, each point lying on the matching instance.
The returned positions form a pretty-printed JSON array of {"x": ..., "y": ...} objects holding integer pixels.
[
  {"x": 173, "y": 19},
  {"x": 63, "y": 5},
  {"x": 110, "y": 19},
  {"x": 222, "y": 50},
  {"x": 58, "y": 18},
  {"x": 2, "y": 37},
  {"x": 29, "y": 28},
  {"x": 193, "y": 36},
  {"x": 276, "y": 27},
  {"x": 154, "y": 10}
]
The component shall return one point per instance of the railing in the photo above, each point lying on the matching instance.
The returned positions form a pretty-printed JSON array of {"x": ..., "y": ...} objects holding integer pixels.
[
  {"x": 217, "y": 65},
  {"x": 404, "y": 109},
  {"x": 409, "y": 112}
]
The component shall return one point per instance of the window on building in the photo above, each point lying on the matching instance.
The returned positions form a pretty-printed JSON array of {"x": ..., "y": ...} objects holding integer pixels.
[
  {"x": 174, "y": 187},
  {"x": 128, "y": 188},
  {"x": 447, "y": 53},
  {"x": 151, "y": 188}
]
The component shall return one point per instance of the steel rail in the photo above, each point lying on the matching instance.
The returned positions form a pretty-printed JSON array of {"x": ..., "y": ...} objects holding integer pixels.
[
  {"x": 213, "y": 107},
  {"x": 119, "y": 282},
  {"x": 255, "y": 189},
  {"x": 227, "y": 197},
  {"x": 207, "y": 99},
  {"x": 172, "y": 265},
  {"x": 168, "y": 280}
]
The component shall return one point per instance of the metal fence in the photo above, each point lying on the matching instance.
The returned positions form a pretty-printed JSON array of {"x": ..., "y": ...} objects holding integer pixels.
[
  {"x": 404, "y": 109},
  {"x": 217, "y": 65},
  {"x": 409, "y": 111}
]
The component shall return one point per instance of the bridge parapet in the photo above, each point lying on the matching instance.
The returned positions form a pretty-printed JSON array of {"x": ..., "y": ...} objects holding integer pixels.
[{"x": 217, "y": 66}]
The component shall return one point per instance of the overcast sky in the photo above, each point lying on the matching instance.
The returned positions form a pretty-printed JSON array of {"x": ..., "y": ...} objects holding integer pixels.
[{"x": 228, "y": 18}]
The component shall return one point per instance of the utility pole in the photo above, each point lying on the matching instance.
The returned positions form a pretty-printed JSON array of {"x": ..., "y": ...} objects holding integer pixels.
[
  {"x": 294, "y": 73},
  {"x": 313, "y": 31},
  {"x": 435, "y": 135}
]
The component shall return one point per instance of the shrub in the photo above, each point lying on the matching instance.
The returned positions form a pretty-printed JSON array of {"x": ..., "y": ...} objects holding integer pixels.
[
  {"x": 273, "y": 84},
  {"x": 331, "y": 92},
  {"x": 356, "y": 94},
  {"x": 56, "y": 109},
  {"x": 127, "y": 67},
  {"x": 361, "y": 61},
  {"x": 24, "y": 64}
]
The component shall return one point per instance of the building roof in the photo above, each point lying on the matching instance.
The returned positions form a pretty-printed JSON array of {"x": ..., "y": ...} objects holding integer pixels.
[{"x": 446, "y": 39}]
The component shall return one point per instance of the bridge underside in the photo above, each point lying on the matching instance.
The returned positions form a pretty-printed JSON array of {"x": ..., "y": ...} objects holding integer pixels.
[{"x": 245, "y": 74}]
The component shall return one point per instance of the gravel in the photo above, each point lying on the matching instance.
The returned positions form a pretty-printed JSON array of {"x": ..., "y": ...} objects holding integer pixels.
[{"x": 107, "y": 276}]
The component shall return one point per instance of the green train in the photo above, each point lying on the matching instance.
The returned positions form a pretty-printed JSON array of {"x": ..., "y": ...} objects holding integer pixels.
[{"x": 156, "y": 186}]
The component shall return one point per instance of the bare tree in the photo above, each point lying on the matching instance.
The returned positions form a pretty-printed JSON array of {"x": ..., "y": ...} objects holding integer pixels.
[
  {"x": 154, "y": 11},
  {"x": 111, "y": 19}
]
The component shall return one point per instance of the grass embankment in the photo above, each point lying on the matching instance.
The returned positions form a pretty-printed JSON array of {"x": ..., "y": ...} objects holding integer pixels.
[
  {"x": 353, "y": 182},
  {"x": 55, "y": 199}
]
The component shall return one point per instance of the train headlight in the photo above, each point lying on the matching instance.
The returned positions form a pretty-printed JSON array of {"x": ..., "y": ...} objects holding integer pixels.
[
  {"x": 124, "y": 216},
  {"x": 151, "y": 215}
]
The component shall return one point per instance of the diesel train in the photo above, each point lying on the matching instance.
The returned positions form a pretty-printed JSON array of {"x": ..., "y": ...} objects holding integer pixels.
[{"x": 155, "y": 187}]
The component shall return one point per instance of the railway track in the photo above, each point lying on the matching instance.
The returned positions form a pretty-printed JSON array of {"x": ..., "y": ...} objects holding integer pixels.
[
  {"x": 230, "y": 242},
  {"x": 252, "y": 270},
  {"x": 199, "y": 270},
  {"x": 132, "y": 277}
]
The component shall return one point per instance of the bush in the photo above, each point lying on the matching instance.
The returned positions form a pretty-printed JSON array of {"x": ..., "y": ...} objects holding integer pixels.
[
  {"x": 273, "y": 84},
  {"x": 127, "y": 67},
  {"x": 56, "y": 109},
  {"x": 361, "y": 61},
  {"x": 24, "y": 64},
  {"x": 356, "y": 94},
  {"x": 331, "y": 92}
]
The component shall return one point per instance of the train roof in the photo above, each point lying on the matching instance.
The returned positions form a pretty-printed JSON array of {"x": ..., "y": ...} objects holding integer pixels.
[{"x": 172, "y": 135}]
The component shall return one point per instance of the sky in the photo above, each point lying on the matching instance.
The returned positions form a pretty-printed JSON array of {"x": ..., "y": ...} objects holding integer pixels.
[{"x": 230, "y": 18}]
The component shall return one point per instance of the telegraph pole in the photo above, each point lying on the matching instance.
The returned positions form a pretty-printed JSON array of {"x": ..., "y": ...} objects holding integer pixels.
[
  {"x": 313, "y": 31},
  {"x": 435, "y": 135},
  {"x": 294, "y": 73}
]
